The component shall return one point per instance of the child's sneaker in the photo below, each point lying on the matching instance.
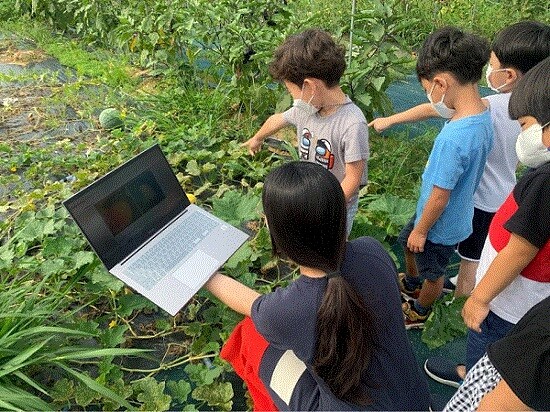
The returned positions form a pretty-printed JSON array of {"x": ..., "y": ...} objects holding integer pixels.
[
  {"x": 413, "y": 320},
  {"x": 403, "y": 287}
]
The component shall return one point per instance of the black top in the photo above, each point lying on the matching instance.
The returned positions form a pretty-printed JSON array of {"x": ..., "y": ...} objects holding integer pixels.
[
  {"x": 522, "y": 357},
  {"x": 532, "y": 194},
  {"x": 287, "y": 320}
]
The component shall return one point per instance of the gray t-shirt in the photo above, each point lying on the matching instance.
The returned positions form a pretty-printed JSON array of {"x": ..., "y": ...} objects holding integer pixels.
[
  {"x": 287, "y": 317},
  {"x": 334, "y": 140}
]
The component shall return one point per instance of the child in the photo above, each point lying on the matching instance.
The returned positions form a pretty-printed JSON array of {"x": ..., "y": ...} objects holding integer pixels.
[
  {"x": 515, "y": 50},
  {"x": 513, "y": 372},
  {"x": 332, "y": 131},
  {"x": 333, "y": 339},
  {"x": 449, "y": 65},
  {"x": 514, "y": 270}
]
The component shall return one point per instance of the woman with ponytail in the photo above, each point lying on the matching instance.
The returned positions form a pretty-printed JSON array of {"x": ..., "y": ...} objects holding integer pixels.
[{"x": 334, "y": 338}]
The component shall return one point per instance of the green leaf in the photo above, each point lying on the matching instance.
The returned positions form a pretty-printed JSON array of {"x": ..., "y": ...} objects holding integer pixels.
[
  {"x": 242, "y": 254},
  {"x": 236, "y": 208},
  {"x": 218, "y": 395},
  {"x": 130, "y": 302},
  {"x": 179, "y": 390},
  {"x": 193, "y": 168},
  {"x": 6, "y": 256},
  {"x": 83, "y": 395},
  {"x": 398, "y": 210},
  {"x": 58, "y": 246},
  {"x": 63, "y": 390},
  {"x": 113, "y": 337},
  {"x": 94, "y": 385},
  {"x": 82, "y": 258},
  {"x": 106, "y": 280},
  {"x": 32, "y": 230},
  {"x": 445, "y": 322},
  {"x": 52, "y": 267},
  {"x": 378, "y": 82},
  {"x": 152, "y": 395},
  {"x": 200, "y": 374},
  {"x": 378, "y": 31}
]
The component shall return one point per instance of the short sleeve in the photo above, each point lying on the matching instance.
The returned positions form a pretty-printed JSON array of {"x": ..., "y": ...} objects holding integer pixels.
[
  {"x": 287, "y": 317},
  {"x": 523, "y": 358},
  {"x": 291, "y": 116},
  {"x": 531, "y": 221},
  {"x": 356, "y": 142},
  {"x": 446, "y": 163}
]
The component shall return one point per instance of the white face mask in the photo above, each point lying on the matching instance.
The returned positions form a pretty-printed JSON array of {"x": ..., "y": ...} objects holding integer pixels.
[
  {"x": 529, "y": 147},
  {"x": 488, "y": 74},
  {"x": 307, "y": 107},
  {"x": 441, "y": 108}
]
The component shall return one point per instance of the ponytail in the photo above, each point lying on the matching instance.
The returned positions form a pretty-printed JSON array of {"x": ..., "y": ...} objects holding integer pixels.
[{"x": 344, "y": 341}]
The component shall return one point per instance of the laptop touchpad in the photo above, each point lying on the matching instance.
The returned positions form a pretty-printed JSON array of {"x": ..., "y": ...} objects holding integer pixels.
[{"x": 201, "y": 265}]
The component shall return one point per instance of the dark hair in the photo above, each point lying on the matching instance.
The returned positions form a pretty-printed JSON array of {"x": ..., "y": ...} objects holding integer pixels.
[
  {"x": 306, "y": 213},
  {"x": 522, "y": 45},
  {"x": 452, "y": 50},
  {"x": 312, "y": 53},
  {"x": 531, "y": 96}
]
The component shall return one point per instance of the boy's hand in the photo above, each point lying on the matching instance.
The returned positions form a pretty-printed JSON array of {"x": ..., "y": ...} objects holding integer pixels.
[
  {"x": 380, "y": 124},
  {"x": 474, "y": 312},
  {"x": 416, "y": 241},
  {"x": 253, "y": 144}
]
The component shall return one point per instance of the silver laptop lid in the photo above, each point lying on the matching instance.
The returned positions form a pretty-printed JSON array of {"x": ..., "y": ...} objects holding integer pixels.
[{"x": 124, "y": 208}]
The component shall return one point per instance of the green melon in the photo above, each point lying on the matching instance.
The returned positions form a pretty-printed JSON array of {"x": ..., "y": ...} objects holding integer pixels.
[{"x": 110, "y": 119}]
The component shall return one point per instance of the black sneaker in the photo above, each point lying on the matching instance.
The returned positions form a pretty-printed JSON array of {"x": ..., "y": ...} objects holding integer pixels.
[
  {"x": 413, "y": 319},
  {"x": 449, "y": 286},
  {"x": 410, "y": 293},
  {"x": 443, "y": 370}
]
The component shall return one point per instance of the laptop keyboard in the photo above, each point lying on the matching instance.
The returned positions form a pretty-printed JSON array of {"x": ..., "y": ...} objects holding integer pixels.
[{"x": 171, "y": 250}]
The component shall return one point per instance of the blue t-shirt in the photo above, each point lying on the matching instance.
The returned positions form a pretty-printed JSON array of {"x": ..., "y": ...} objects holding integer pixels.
[
  {"x": 287, "y": 318},
  {"x": 456, "y": 163}
]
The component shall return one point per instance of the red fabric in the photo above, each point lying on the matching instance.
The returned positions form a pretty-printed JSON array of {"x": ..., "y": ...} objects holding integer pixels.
[
  {"x": 538, "y": 269},
  {"x": 244, "y": 351}
]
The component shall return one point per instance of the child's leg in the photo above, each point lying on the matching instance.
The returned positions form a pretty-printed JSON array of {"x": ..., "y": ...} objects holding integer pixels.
[
  {"x": 432, "y": 265},
  {"x": 431, "y": 290},
  {"x": 469, "y": 251},
  {"x": 466, "y": 277},
  {"x": 409, "y": 282},
  {"x": 410, "y": 263}
]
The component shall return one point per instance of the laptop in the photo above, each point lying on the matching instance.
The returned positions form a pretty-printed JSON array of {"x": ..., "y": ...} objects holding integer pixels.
[{"x": 138, "y": 220}]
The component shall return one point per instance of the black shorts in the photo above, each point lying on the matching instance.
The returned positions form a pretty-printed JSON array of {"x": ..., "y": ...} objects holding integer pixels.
[
  {"x": 433, "y": 261},
  {"x": 471, "y": 247}
]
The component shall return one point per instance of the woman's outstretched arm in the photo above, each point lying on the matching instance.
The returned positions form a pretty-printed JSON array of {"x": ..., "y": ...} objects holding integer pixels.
[{"x": 232, "y": 292}]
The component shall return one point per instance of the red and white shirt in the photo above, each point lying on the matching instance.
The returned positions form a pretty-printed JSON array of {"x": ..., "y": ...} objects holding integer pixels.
[{"x": 526, "y": 212}]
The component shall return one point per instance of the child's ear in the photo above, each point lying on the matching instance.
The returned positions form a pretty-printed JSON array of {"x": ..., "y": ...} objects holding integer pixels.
[
  {"x": 441, "y": 81},
  {"x": 512, "y": 75}
]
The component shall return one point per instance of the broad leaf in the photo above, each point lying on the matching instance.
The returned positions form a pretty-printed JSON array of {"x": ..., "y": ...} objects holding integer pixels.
[{"x": 445, "y": 322}]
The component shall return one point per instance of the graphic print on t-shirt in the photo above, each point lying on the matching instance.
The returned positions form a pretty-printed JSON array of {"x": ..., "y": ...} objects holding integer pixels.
[
  {"x": 305, "y": 144},
  {"x": 323, "y": 154}
]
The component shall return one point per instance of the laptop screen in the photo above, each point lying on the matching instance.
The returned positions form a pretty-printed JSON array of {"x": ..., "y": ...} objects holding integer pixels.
[{"x": 123, "y": 209}]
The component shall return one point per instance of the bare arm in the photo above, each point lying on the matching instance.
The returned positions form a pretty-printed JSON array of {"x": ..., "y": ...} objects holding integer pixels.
[
  {"x": 352, "y": 180},
  {"x": 506, "y": 266},
  {"x": 421, "y": 112},
  {"x": 436, "y": 204},
  {"x": 273, "y": 124},
  {"x": 232, "y": 292},
  {"x": 502, "y": 398}
]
